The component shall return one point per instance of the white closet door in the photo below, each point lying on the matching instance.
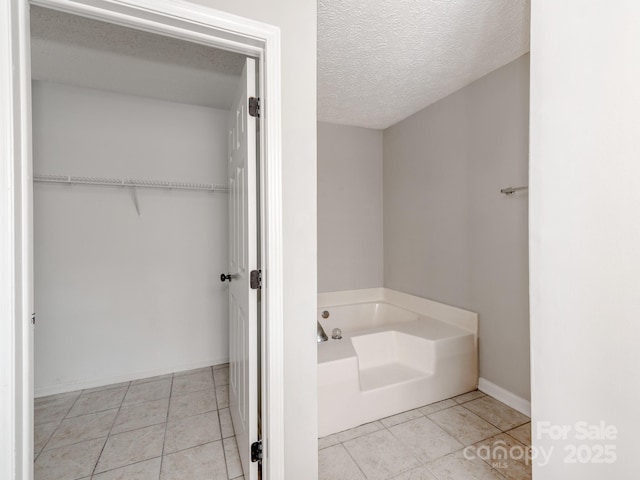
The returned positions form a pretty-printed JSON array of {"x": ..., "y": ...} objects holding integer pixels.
[{"x": 243, "y": 304}]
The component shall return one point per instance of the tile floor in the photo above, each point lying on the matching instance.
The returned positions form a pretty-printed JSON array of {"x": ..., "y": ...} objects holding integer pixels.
[
  {"x": 429, "y": 443},
  {"x": 175, "y": 426},
  {"x": 179, "y": 427}
]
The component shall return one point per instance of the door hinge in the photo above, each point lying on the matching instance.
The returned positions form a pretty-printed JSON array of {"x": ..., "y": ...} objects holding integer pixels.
[
  {"x": 256, "y": 279},
  {"x": 33, "y": 318},
  {"x": 256, "y": 451},
  {"x": 254, "y": 106}
]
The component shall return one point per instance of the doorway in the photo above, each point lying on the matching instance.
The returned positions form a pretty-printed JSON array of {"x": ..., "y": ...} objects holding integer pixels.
[
  {"x": 126, "y": 271},
  {"x": 237, "y": 42}
]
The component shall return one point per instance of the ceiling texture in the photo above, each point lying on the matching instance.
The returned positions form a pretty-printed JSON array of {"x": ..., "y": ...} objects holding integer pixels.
[{"x": 380, "y": 61}]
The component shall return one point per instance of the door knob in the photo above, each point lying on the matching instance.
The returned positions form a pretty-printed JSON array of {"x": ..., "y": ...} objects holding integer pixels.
[{"x": 224, "y": 277}]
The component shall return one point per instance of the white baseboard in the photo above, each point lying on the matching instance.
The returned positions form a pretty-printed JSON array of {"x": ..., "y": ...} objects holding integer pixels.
[
  {"x": 125, "y": 377},
  {"x": 505, "y": 396}
]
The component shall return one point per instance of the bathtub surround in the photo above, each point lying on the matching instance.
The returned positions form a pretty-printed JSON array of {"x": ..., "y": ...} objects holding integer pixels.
[
  {"x": 106, "y": 279},
  {"x": 349, "y": 208},
  {"x": 397, "y": 352},
  {"x": 449, "y": 235}
]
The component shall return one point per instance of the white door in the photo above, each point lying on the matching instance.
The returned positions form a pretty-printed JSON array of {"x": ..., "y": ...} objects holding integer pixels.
[{"x": 243, "y": 244}]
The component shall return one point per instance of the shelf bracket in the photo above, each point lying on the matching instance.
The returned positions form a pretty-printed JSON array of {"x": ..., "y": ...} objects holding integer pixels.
[{"x": 135, "y": 200}]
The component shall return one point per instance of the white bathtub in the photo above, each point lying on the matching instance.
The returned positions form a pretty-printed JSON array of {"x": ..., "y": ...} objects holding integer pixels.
[{"x": 397, "y": 352}]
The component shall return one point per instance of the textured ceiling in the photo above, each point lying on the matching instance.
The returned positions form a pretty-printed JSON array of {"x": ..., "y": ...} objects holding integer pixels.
[
  {"x": 80, "y": 51},
  {"x": 380, "y": 61}
]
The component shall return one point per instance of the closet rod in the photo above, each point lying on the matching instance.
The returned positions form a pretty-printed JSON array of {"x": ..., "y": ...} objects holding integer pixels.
[{"x": 126, "y": 182}]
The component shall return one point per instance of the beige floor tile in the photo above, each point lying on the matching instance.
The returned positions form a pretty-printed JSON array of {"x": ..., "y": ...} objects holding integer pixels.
[
  {"x": 463, "y": 425},
  {"x": 334, "y": 463},
  {"x": 41, "y": 434},
  {"x": 506, "y": 455},
  {"x": 467, "y": 397},
  {"x": 140, "y": 415},
  {"x": 222, "y": 396},
  {"x": 202, "y": 462},
  {"x": 226, "y": 425},
  {"x": 191, "y": 372},
  {"x": 191, "y": 431},
  {"x": 98, "y": 401},
  {"x": 436, "y": 407},
  {"x": 145, "y": 392},
  {"x": 238, "y": 478},
  {"x": 106, "y": 387},
  {"x": 131, "y": 447},
  {"x": 69, "y": 462},
  {"x": 347, "y": 435},
  {"x": 192, "y": 383},
  {"x": 232, "y": 457},
  {"x": 147, "y": 470},
  {"x": 497, "y": 413},
  {"x": 426, "y": 439},
  {"x": 401, "y": 418},
  {"x": 85, "y": 427},
  {"x": 420, "y": 473},
  {"x": 221, "y": 376},
  {"x": 328, "y": 441},
  {"x": 456, "y": 467},
  {"x": 192, "y": 404},
  {"x": 522, "y": 433},
  {"x": 359, "y": 431},
  {"x": 380, "y": 455},
  {"x": 168, "y": 376},
  {"x": 52, "y": 410}
]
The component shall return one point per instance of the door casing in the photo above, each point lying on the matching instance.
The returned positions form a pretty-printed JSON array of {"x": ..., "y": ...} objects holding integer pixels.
[{"x": 172, "y": 18}]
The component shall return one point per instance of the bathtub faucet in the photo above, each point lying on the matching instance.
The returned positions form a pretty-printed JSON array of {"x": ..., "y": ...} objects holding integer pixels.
[{"x": 320, "y": 335}]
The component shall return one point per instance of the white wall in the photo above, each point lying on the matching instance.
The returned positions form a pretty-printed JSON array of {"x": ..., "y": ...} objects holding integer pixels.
[
  {"x": 449, "y": 235},
  {"x": 349, "y": 208},
  {"x": 117, "y": 295},
  {"x": 585, "y": 230},
  {"x": 297, "y": 22}
]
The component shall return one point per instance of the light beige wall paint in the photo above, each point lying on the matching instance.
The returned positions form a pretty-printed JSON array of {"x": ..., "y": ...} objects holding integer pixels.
[
  {"x": 297, "y": 22},
  {"x": 449, "y": 235},
  {"x": 585, "y": 232},
  {"x": 349, "y": 208}
]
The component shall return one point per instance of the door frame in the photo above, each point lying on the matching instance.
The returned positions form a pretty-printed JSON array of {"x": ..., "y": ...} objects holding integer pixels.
[{"x": 172, "y": 18}]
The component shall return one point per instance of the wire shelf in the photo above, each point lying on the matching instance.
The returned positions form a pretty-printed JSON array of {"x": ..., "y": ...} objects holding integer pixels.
[{"x": 127, "y": 182}]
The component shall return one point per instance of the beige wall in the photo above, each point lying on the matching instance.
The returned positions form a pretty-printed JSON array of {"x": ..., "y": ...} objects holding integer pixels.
[
  {"x": 349, "y": 208},
  {"x": 449, "y": 235},
  {"x": 297, "y": 22},
  {"x": 585, "y": 232}
]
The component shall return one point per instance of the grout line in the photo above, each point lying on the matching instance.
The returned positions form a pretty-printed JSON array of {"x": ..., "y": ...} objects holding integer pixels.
[
  {"x": 115, "y": 419},
  {"x": 224, "y": 453},
  {"x": 57, "y": 426},
  {"x": 166, "y": 427},
  {"x": 123, "y": 466},
  {"x": 48, "y": 438},
  {"x": 354, "y": 460},
  {"x": 490, "y": 423},
  {"x": 194, "y": 446}
]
